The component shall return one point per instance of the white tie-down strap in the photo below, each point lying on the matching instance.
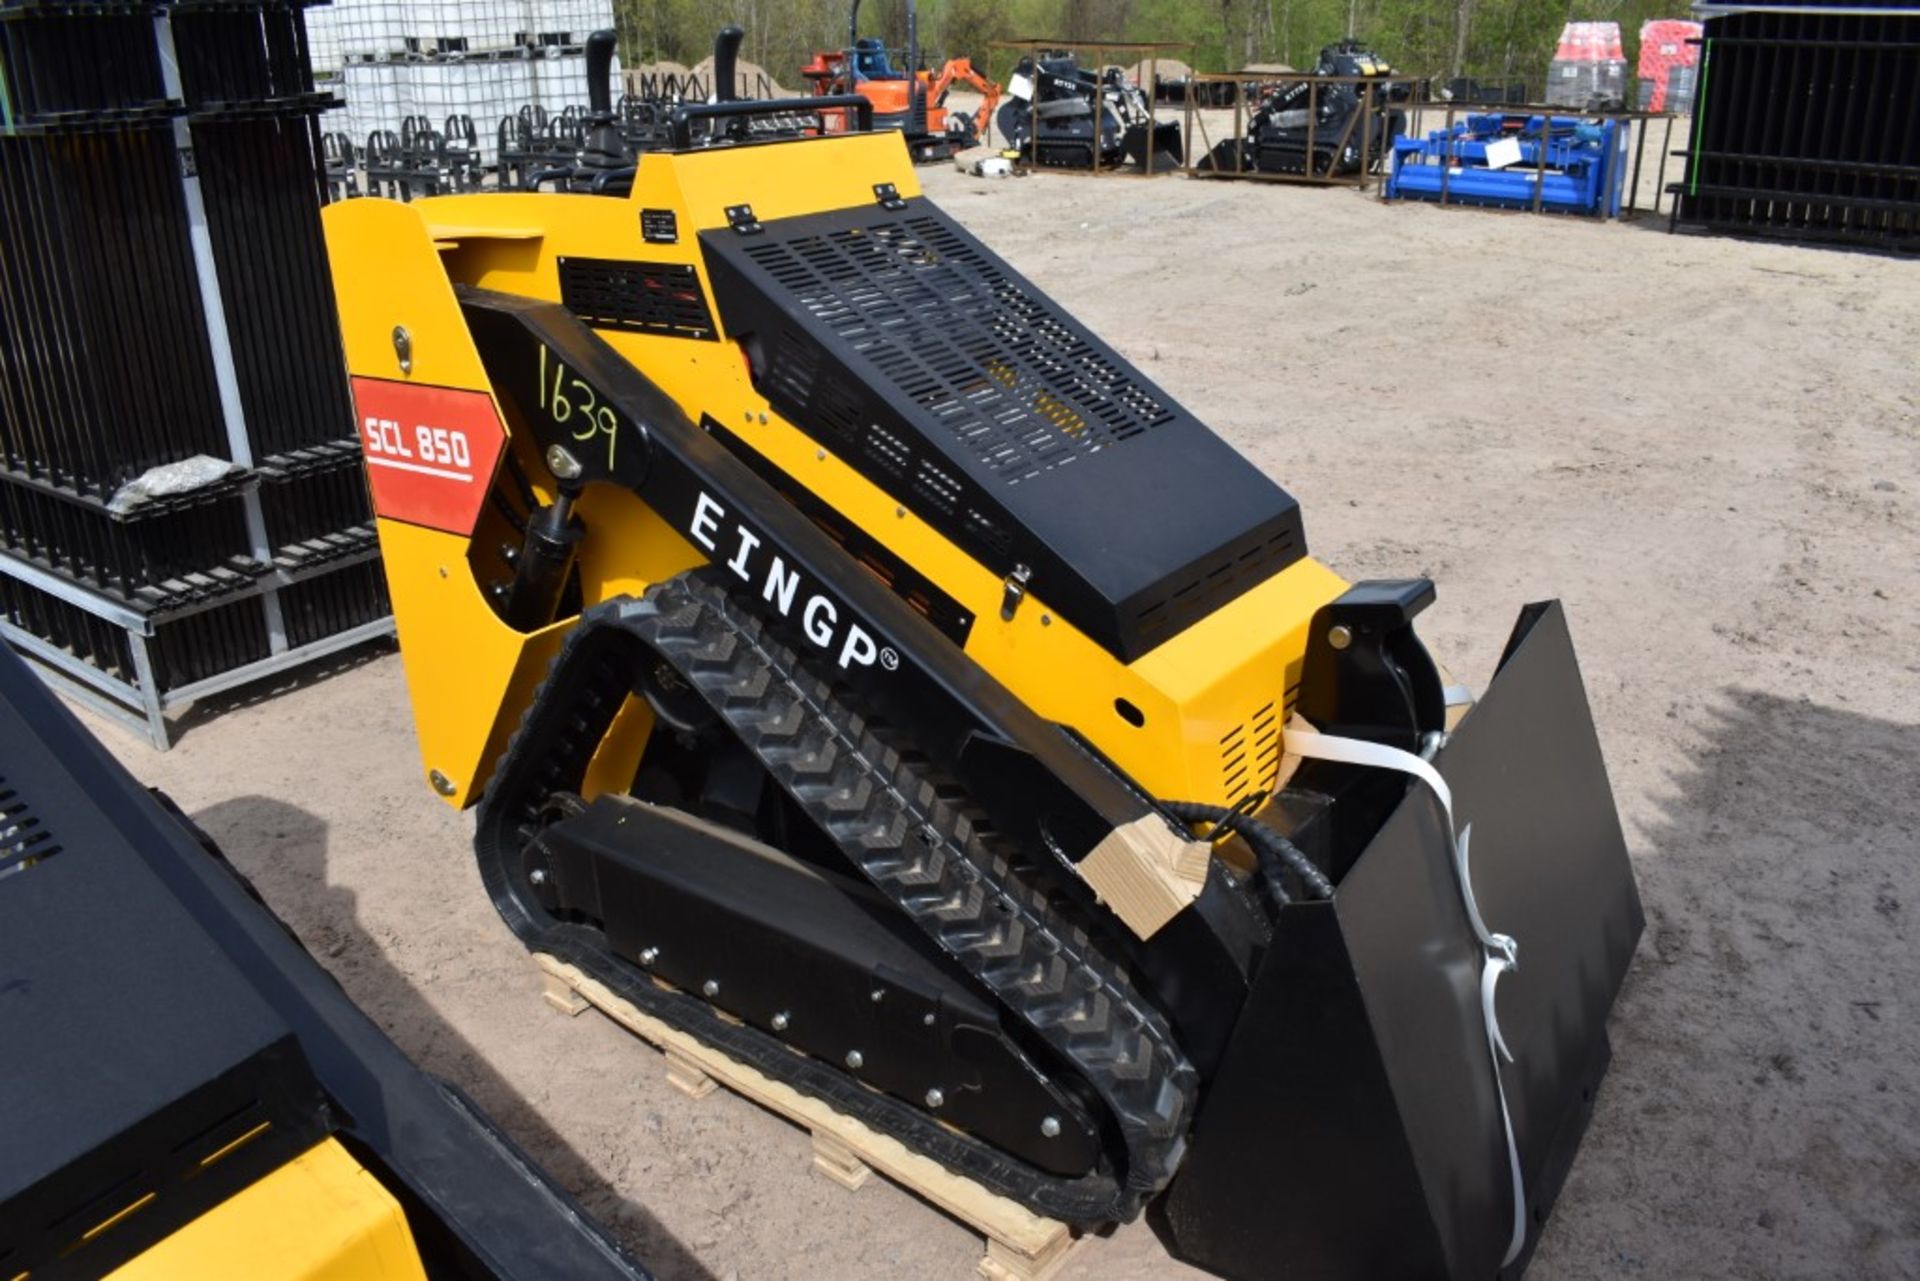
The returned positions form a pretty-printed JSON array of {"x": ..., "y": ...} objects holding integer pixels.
[{"x": 1500, "y": 953}]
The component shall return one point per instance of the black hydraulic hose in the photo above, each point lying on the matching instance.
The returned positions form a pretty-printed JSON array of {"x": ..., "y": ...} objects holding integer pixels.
[
  {"x": 1271, "y": 848},
  {"x": 608, "y": 179},
  {"x": 532, "y": 181},
  {"x": 1267, "y": 879}
]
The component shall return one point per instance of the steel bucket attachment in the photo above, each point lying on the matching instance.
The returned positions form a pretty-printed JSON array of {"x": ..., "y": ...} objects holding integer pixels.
[
  {"x": 1356, "y": 1127},
  {"x": 1167, "y": 150}
]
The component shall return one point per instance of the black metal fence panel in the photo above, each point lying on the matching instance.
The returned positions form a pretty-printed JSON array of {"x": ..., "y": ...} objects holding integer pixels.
[
  {"x": 180, "y": 487},
  {"x": 108, "y": 366},
  {"x": 1807, "y": 127}
]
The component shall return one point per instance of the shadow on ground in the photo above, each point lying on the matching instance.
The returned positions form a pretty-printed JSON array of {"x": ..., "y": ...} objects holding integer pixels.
[
  {"x": 1763, "y": 1115},
  {"x": 293, "y": 880},
  {"x": 203, "y": 710}
]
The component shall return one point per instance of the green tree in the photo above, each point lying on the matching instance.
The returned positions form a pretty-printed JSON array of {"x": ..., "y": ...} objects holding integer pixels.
[{"x": 1439, "y": 38}]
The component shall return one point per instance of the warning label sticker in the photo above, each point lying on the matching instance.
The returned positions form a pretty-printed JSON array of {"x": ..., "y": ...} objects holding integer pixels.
[{"x": 430, "y": 451}]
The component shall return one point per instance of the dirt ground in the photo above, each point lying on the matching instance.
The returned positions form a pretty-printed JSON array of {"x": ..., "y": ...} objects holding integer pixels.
[{"x": 1709, "y": 449}]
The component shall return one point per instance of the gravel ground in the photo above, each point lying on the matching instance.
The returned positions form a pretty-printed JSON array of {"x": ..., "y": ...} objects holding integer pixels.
[{"x": 1707, "y": 448}]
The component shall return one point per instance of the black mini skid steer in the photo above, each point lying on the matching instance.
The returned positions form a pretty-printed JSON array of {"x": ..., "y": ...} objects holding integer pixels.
[
  {"x": 859, "y": 665},
  {"x": 1320, "y": 128},
  {"x": 1059, "y": 114}
]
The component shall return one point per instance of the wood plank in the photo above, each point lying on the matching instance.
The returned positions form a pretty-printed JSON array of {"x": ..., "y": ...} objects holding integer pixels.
[
  {"x": 838, "y": 1162},
  {"x": 686, "y": 1076},
  {"x": 1021, "y": 1245}
]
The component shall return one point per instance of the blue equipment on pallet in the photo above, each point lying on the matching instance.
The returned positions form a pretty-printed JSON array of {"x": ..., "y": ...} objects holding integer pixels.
[{"x": 1495, "y": 159}]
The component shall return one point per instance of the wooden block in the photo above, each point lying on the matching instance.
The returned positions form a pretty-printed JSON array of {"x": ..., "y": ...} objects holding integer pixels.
[
  {"x": 686, "y": 1076},
  {"x": 558, "y": 993},
  {"x": 1005, "y": 1262},
  {"x": 837, "y": 1161},
  {"x": 1459, "y": 698},
  {"x": 1146, "y": 873},
  {"x": 1021, "y": 1245}
]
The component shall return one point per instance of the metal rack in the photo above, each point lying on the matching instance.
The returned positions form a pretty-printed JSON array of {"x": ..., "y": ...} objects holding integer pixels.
[
  {"x": 1366, "y": 133},
  {"x": 1636, "y": 127},
  {"x": 1105, "y": 55},
  {"x": 181, "y": 504}
]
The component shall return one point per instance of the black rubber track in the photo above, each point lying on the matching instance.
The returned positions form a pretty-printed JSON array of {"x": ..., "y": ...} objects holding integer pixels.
[{"x": 891, "y": 820}]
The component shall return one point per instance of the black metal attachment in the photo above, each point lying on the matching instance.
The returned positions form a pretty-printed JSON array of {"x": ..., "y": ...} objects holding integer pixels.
[
  {"x": 423, "y": 159},
  {"x": 741, "y": 219},
  {"x": 888, "y": 196},
  {"x": 194, "y": 1016},
  {"x": 809, "y": 956},
  {"x": 1367, "y": 675},
  {"x": 680, "y": 127},
  {"x": 1013, "y": 591},
  {"x": 1393, "y": 1158}
]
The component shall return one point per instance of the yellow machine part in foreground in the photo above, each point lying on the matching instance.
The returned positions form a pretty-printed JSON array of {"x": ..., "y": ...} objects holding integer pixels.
[
  {"x": 1211, "y": 700},
  {"x": 319, "y": 1217}
]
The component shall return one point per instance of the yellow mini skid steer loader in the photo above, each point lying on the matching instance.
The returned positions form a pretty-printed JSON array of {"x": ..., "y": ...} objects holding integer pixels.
[{"x": 859, "y": 665}]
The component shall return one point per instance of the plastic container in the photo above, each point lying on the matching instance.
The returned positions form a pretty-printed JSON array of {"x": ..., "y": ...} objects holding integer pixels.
[
  {"x": 1667, "y": 47},
  {"x": 1589, "y": 68}
]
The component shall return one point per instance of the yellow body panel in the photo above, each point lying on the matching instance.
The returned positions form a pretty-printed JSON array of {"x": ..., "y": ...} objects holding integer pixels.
[
  {"x": 1211, "y": 701},
  {"x": 1195, "y": 690},
  {"x": 469, "y": 675},
  {"x": 319, "y": 1217}
]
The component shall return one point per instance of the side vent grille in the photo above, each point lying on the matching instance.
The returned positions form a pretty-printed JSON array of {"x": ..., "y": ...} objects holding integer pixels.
[
  {"x": 637, "y": 297},
  {"x": 24, "y": 840},
  {"x": 1250, "y": 752},
  {"x": 794, "y": 372},
  {"x": 1217, "y": 581}
]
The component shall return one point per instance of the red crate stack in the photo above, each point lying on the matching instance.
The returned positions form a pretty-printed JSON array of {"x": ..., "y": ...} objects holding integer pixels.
[{"x": 1669, "y": 52}]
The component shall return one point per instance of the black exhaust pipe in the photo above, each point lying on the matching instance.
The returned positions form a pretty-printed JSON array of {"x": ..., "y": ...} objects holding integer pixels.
[
  {"x": 916, "y": 96},
  {"x": 726, "y": 57},
  {"x": 600, "y": 75},
  {"x": 604, "y": 154}
]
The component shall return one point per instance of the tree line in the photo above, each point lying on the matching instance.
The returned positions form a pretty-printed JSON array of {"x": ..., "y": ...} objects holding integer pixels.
[{"x": 1488, "y": 39}]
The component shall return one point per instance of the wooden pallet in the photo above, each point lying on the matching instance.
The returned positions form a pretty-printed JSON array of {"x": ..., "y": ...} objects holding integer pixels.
[{"x": 1020, "y": 1245}]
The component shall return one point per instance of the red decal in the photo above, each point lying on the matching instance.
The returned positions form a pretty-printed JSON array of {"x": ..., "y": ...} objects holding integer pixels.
[{"x": 430, "y": 451}]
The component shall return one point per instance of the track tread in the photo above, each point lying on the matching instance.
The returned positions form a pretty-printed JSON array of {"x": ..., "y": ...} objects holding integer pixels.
[
  {"x": 911, "y": 832},
  {"x": 925, "y": 854}
]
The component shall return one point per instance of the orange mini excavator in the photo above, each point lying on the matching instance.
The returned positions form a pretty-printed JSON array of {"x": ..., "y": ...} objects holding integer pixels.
[{"x": 912, "y": 100}]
